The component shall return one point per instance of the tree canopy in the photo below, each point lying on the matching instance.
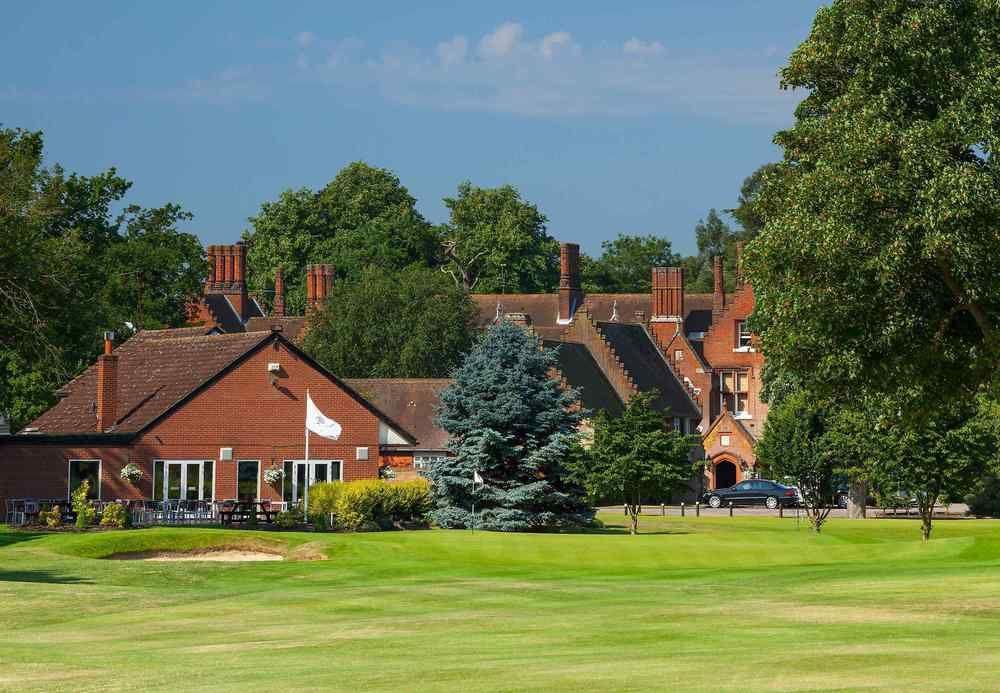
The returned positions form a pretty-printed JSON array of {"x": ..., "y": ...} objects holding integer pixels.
[
  {"x": 363, "y": 217},
  {"x": 875, "y": 271},
  {"x": 514, "y": 425},
  {"x": 495, "y": 242},
  {"x": 410, "y": 323},
  {"x": 625, "y": 263},
  {"x": 71, "y": 267}
]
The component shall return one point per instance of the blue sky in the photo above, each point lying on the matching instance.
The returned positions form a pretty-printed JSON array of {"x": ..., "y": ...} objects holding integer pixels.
[{"x": 612, "y": 117}]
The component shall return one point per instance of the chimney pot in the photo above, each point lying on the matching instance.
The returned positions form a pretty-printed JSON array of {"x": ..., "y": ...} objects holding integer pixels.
[
  {"x": 107, "y": 385},
  {"x": 279, "y": 291},
  {"x": 719, "y": 295},
  {"x": 570, "y": 293}
]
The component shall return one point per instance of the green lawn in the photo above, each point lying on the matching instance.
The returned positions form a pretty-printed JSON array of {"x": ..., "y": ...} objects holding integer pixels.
[{"x": 701, "y": 604}]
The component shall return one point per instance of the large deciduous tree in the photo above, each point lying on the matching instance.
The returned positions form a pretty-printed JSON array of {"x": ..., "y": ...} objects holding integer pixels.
[
  {"x": 363, "y": 217},
  {"x": 409, "y": 323},
  {"x": 875, "y": 272},
  {"x": 635, "y": 458},
  {"x": 514, "y": 425},
  {"x": 71, "y": 268},
  {"x": 495, "y": 241}
]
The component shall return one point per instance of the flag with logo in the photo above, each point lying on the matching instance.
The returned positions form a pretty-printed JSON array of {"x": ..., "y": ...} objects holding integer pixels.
[{"x": 319, "y": 423}]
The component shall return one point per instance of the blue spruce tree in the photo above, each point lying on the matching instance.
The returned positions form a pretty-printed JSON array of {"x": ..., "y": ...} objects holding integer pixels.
[{"x": 508, "y": 420}]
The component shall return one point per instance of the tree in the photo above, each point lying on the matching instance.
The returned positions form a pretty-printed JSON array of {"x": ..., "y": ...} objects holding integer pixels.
[
  {"x": 625, "y": 264},
  {"x": 875, "y": 273},
  {"x": 714, "y": 237},
  {"x": 68, "y": 272},
  {"x": 513, "y": 424},
  {"x": 794, "y": 444},
  {"x": 363, "y": 217},
  {"x": 634, "y": 457},
  {"x": 942, "y": 456},
  {"x": 494, "y": 241},
  {"x": 746, "y": 211},
  {"x": 412, "y": 323}
]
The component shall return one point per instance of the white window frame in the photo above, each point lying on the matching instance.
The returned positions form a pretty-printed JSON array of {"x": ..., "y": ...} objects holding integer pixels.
[
  {"x": 740, "y": 332},
  {"x": 295, "y": 474},
  {"x": 201, "y": 476},
  {"x": 722, "y": 393},
  {"x": 69, "y": 477},
  {"x": 425, "y": 461}
]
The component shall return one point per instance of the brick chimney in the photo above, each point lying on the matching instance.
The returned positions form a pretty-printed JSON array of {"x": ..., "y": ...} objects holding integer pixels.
[
  {"x": 227, "y": 275},
  {"x": 570, "y": 293},
  {"x": 319, "y": 283},
  {"x": 107, "y": 385},
  {"x": 719, "y": 295},
  {"x": 278, "y": 308},
  {"x": 667, "y": 302}
]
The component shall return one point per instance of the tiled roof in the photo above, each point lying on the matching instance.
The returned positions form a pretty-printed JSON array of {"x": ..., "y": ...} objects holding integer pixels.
[
  {"x": 648, "y": 368},
  {"x": 156, "y": 369},
  {"x": 543, "y": 309},
  {"x": 581, "y": 371},
  {"x": 291, "y": 325},
  {"x": 411, "y": 402}
]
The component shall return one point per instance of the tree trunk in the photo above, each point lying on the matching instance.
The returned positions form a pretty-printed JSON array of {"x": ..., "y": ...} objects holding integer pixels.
[{"x": 857, "y": 499}]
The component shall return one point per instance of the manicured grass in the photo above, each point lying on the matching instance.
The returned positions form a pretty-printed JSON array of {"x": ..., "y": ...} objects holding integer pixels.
[{"x": 695, "y": 604}]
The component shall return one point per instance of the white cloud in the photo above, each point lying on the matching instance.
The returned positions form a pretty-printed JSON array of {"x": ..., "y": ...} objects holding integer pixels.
[
  {"x": 502, "y": 41},
  {"x": 555, "y": 42},
  {"x": 453, "y": 52},
  {"x": 636, "y": 46},
  {"x": 305, "y": 38}
]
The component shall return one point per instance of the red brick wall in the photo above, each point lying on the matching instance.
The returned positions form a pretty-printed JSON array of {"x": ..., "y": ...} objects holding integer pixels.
[{"x": 242, "y": 411}]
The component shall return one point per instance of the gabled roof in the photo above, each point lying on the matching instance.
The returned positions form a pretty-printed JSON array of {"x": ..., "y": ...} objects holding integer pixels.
[
  {"x": 413, "y": 402},
  {"x": 648, "y": 368},
  {"x": 292, "y": 326},
  {"x": 726, "y": 416},
  {"x": 160, "y": 370},
  {"x": 582, "y": 372}
]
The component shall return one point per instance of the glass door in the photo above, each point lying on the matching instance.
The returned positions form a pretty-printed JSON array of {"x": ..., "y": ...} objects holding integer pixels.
[
  {"x": 247, "y": 480},
  {"x": 304, "y": 474},
  {"x": 183, "y": 480}
]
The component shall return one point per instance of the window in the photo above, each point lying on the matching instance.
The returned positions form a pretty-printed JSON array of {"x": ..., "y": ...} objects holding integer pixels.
[
  {"x": 742, "y": 335},
  {"x": 678, "y": 424},
  {"x": 85, "y": 470},
  {"x": 678, "y": 354},
  {"x": 187, "y": 480},
  {"x": 423, "y": 463},
  {"x": 298, "y": 475},
  {"x": 246, "y": 479},
  {"x": 734, "y": 389}
]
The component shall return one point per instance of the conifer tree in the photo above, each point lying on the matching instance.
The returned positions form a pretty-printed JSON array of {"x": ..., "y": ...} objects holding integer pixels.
[{"x": 512, "y": 424}]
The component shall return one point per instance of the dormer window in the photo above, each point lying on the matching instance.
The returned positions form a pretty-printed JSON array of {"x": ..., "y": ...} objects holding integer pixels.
[{"x": 742, "y": 335}]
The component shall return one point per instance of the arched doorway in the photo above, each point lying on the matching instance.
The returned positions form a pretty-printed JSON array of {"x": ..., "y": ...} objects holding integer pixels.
[{"x": 725, "y": 474}]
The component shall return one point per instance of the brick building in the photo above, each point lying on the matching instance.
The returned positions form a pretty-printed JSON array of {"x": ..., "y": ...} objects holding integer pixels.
[{"x": 205, "y": 410}]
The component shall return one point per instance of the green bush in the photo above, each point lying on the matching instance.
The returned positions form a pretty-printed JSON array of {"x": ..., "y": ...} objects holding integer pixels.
[
  {"x": 82, "y": 506},
  {"x": 323, "y": 500},
  {"x": 288, "y": 519},
  {"x": 115, "y": 515},
  {"x": 985, "y": 501},
  {"x": 375, "y": 504},
  {"x": 51, "y": 517}
]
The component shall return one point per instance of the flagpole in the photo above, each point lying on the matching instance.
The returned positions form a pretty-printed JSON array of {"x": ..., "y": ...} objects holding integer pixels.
[{"x": 305, "y": 509}]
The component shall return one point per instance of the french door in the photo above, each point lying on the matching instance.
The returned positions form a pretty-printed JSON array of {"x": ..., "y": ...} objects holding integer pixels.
[
  {"x": 186, "y": 480},
  {"x": 299, "y": 474}
]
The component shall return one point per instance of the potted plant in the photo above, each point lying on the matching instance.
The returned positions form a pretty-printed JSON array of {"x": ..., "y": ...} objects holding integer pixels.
[
  {"x": 274, "y": 475},
  {"x": 131, "y": 473}
]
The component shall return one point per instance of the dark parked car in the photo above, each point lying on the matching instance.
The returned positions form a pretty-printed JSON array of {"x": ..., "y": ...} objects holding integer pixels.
[{"x": 753, "y": 492}]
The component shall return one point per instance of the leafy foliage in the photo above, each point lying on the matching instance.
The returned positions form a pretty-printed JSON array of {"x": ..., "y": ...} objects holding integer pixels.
[
  {"x": 874, "y": 274},
  {"x": 371, "y": 504},
  {"x": 363, "y": 217},
  {"x": 115, "y": 515},
  {"x": 508, "y": 420},
  {"x": 84, "y": 509},
  {"x": 795, "y": 444},
  {"x": 625, "y": 263},
  {"x": 634, "y": 457},
  {"x": 71, "y": 268},
  {"x": 412, "y": 323},
  {"x": 496, "y": 242}
]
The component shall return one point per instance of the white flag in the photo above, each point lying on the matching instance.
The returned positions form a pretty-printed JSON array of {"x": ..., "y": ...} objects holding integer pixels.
[
  {"x": 476, "y": 479},
  {"x": 318, "y": 423}
]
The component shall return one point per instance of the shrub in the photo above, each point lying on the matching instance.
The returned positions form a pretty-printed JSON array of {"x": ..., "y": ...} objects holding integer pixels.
[
  {"x": 323, "y": 500},
  {"x": 51, "y": 517},
  {"x": 374, "y": 504},
  {"x": 985, "y": 501},
  {"x": 115, "y": 515},
  {"x": 288, "y": 519},
  {"x": 82, "y": 506}
]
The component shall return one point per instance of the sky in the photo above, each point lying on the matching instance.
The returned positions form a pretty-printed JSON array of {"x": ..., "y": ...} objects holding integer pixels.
[{"x": 612, "y": 117}]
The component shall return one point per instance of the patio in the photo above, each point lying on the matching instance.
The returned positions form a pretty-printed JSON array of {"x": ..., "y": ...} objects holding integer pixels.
[{"x": 25, "y": 511}]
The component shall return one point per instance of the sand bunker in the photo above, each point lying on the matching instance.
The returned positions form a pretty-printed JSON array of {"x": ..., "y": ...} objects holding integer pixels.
[{"x": 221, "y": 555}]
